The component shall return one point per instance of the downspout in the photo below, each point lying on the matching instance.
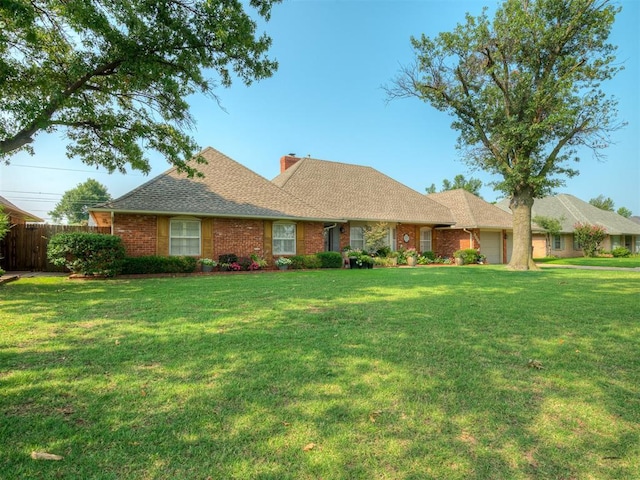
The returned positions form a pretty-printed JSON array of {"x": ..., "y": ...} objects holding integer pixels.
[
  {"x": 470, "y": 237},
  {"x": 112, "y": 217}
]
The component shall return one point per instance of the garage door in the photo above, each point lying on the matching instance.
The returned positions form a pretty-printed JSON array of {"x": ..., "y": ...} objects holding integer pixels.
[{"x": 491, "y": 246}]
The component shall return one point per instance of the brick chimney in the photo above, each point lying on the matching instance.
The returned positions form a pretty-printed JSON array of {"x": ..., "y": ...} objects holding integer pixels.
[{"x": 287, "y": 161}]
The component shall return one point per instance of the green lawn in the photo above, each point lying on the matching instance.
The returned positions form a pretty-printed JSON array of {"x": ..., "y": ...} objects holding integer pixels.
[
  {"x": 418, "y": 373},
  {"x": 629, "y": 262}
]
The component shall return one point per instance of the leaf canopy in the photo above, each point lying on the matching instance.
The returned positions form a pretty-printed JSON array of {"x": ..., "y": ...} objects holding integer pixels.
[{"x": 115, "y": 75}]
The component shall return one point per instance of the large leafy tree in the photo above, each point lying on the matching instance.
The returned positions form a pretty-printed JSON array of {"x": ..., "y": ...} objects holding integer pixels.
[
  {"x": 472, "y": 185},
  {"x": 603, "y": 203},
  {"x": 525, "y": 92},
  {"x": 114, "y": 75},
  {"x": 74, "y": 204}
]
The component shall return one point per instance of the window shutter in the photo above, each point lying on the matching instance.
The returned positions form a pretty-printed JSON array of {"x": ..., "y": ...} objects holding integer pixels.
[
  {"x": 162, "y": 240},
  {"x": 268, "y": 238},
  {"x": 300, "y": 248},
  {"x": 207, "y": 238}
]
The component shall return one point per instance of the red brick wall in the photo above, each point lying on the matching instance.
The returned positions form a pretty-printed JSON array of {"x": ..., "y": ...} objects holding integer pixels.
[
  {"x": 448, "y": 241},
  {"x": 240, "y": 236},
  {"x": 313, "y": 237},
  {"x": 138, "y": 233}
]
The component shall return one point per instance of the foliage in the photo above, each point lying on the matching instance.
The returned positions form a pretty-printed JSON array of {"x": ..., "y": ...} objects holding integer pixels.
[
  {"x": 375, "y": 236},
  {"x": 603, "y": 203},
  {"x": 589, "y": 237},
  {"x": 87, "y": 253},
  {"x": 380, "y": 371},
  {"x": 74, "y": 204},
  {"x": 468, "y": 255},
  {"x": 472, "y": 185},
  {"x": 258, "y": 260},
  {"x": 330, "y": 259},
  {"x": 552, "y": 226},
  {"x": 115, "y": 76},
  {"x": 429, "y": 255},
  {"x": 411, "y": 252},
  {"x": 227, "y": 258},
  {"x": 284, "y": 261},
  {"x": 624, "y": 211},
  {"x": 151, "y": 264},
  {"x": 209, "y": 262},
  {"x": 4, "y": 223},
  {"x": 620, "y": 252},
  {"x": 524, "y": 91}
]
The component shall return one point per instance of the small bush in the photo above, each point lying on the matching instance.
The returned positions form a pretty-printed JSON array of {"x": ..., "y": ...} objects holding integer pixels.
[
  {"x": 330, "y": 259},
  {"x": 305, "y": 261},
  {"x": 87, "y": 253},
  {"x": 468, "y": 255},
  {"x": 429, "y": 255},
  {"x": 228, "y": 258},
  {"x": 620, "y": 252},
  {"x": 158, "y": 264}
]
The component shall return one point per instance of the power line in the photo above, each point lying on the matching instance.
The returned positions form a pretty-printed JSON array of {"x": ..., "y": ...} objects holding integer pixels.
[{"x": 70, "y": 170}]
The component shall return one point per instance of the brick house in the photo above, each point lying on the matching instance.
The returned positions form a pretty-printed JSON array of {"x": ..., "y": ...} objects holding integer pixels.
[
  {"x": 17, "y": 216},
  {"x": 229, "y": 210},
  {"x": 569, "y": 210},
  {"x": 478, "y": 224},
  {"x": 362, "y": 197}
]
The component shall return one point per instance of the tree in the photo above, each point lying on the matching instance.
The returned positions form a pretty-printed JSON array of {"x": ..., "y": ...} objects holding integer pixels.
[
  {"x": 551, "y": 226},
  {"x": 589, "y": 237},
  {"x": 625, "y": 212},
  {"x": 602, "y": 203},
  {"x": 75, "y": 203},
  {"x": 114, "y": 76},
  {"x": 4, "y": 223},
  {"x": 524, "y": 92},
  {"x": 472, "y": 185}
]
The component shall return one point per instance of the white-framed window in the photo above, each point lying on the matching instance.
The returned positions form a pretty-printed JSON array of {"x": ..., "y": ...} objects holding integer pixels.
[
  {"x": 616, "y": 241},
  {"x": 637, "y": 247},
  {"x": 425, "y": 239},
  {"x": 284, "y": 238},
  {"x": 557, "y": 242},
  {"x": 356, "y": 237},
  {"x": 391, "y": 238},
  {"x": 184, "y": 236}
]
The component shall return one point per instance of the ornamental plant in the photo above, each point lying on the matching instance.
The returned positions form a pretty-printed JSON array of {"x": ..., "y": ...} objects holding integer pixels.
[
  {"x": 589, "y": 237},
  {"x": 282, "y": 261},
  {"x": 208, "y": 261}
]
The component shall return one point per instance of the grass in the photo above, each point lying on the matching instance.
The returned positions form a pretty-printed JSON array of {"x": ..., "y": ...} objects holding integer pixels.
[
  {"x": 370, "y": 374},
  {"x": 628, "y": 262}
]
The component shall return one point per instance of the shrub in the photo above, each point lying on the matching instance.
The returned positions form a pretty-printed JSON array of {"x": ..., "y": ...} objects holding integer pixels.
[
  {"x": 620, "y": 252},
  {"x": 297, "y": 262},
  {"x": 228, "y": 258},
  {"x": 330, "y": 259},
  {"x": 158, "y": 264},
  {"x": 87, "y": 253},
  {"x": 589, "y": 237},
  {"x": 429, "y": 254},
  {"x": 305, "y": 261},
  {"x": 468, "y": 255}
]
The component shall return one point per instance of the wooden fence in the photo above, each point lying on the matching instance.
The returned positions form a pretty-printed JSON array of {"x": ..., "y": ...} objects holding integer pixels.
[{"x": 25, "y": 246}]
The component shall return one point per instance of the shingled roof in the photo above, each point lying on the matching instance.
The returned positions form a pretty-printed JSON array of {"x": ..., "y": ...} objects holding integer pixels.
[
  {"x": 571, "y": 210},
  {"x": 228, "y": 189},
  {"x": 359, "y": 193},
  {"x": 470, "y": 211},
  {"x": 10, "y": 208}
]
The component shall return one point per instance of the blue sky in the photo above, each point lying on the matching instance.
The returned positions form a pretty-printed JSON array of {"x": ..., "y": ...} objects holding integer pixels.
[{"x": 326, "y": 101}]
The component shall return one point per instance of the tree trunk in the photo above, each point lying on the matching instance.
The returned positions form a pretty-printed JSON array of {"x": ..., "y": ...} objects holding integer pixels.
[{"x": 522, "y": 254}]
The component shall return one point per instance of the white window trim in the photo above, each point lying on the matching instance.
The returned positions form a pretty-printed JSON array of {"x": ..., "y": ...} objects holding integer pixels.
[
  {"x": 171, "y": 236},
  {"x": 351, "y": 239},
  {"x": 273, "y": 238},
  {"x": 430, "y": 230}
]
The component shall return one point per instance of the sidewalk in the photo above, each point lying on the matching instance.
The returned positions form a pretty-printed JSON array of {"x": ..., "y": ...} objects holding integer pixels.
[{"x": 11, "y": 276}]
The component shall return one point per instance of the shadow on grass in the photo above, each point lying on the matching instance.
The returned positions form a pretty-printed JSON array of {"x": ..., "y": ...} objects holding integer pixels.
[{"x": 379, "y": 374}]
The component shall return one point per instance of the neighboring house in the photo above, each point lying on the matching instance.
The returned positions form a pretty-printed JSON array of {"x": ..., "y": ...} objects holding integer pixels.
[
  {"x": 17, "y": 216},
  {"x": 478, "y": 224},
  {"x": 363, "y": 197},
  {"x": 230, "y": 210},
  {"x": 570, "y": 210}
]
